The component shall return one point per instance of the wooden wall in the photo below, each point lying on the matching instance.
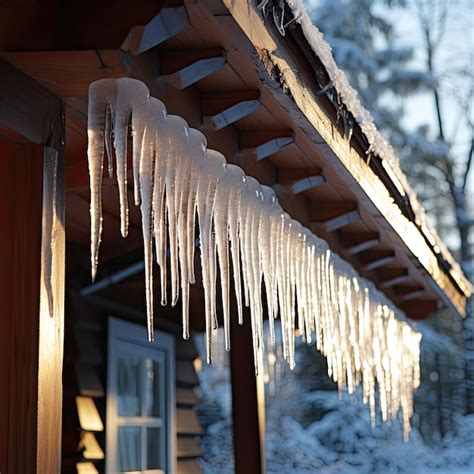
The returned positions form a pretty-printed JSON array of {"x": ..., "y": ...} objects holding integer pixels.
[{"x": 85, "y": 374}]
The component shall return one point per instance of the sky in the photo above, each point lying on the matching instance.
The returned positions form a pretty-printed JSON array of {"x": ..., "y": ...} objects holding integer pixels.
[{"x": 455, "y": 51}]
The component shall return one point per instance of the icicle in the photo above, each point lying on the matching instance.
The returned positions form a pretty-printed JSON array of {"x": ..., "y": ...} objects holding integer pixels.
[
  {"x": 109, "y": 120},
  {"x": 159, "y": 206},
  {"x": 267, "y": 233},
  {"x": 225, "y": 222},
  {"x": 102, "y": 97},
  {"x": 248, "y": 230},
  {"x": 177, "y": 135},
  {"x": 199, "y": 155},
  {"x": 314, "y": 292},
  {"x": 131, "y": 106},
  {"x": 155, "y": 117},
  {"x": 212, "y": 169},
  {"x": 234, "y": 200},
  {"x": 186, "y": 174},
  {"x": 50, "y": 204}
]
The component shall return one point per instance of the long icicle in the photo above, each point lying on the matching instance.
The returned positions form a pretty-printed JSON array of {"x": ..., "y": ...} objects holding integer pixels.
[{"x": 154, "y": 126}]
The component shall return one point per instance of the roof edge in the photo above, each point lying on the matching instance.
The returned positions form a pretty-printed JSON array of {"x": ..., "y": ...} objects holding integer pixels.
[{"x": 378, "y": 144}]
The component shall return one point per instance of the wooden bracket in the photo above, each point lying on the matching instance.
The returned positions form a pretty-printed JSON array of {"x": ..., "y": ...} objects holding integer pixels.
[
  {"x": 334, "y": 215},
  {"x": 224, "y": 108},
  {"x": 392, "y": 276},
  {"x": 269, "y": 148},
  {"x": 184, "y": 68},
  {"x": 410, "y": 292},
  {"x": 413, "y": 295},
  {"x": 299, "y": 180},
  {"x": 264, "y": 143},
  {"x": 374, "y": 259},
  {"x": 166, "y": 24},
  {"x": 357, "y": 242}
]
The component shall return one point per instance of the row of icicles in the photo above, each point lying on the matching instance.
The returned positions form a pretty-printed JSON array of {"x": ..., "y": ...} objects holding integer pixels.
[{"x": 243, "y": 231}]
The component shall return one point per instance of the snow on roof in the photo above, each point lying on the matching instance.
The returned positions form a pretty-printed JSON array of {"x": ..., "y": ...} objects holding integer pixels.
[{"x": 378, "y": 144}]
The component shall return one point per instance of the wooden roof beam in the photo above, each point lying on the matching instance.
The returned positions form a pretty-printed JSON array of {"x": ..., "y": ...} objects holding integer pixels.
[
  {"x": 264, "y": 149},
  {"x": 392, "y": 276},
  {"x": 297, "y": 181},
  {"x": 358, "y": 242},
  {"x": 221, "y": 109},
  {"x": 264, "y": 143},
  {"x": 183, "y": 68},
  {"x": 374, "y": 259},
  {"x": 166, "y": 24},
  {"x": 341, "y": 221},
  {"x": 334, "y": 215},
  {"x": 28, "y": 112},
  {"x": 410, "y": 292}
]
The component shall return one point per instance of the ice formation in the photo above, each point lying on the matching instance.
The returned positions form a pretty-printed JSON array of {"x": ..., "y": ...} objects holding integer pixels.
[{"x": 246, "y": 237}]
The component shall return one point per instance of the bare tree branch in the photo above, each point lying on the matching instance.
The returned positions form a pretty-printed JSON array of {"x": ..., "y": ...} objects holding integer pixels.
[{"x": 468, "y": 163}]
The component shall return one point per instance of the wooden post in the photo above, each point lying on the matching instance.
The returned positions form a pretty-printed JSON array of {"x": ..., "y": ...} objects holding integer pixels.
[
  {"x": 20, "y": 210},
  {"x": 248, "y": 401},
  {"x": 31, "y": 280}
]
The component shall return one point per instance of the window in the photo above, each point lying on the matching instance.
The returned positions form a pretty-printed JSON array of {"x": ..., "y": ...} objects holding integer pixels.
[{"x": 140, "y": 436}]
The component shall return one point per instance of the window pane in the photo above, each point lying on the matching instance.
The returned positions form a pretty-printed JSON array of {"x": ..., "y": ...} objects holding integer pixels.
[
  {"x": 154, "y": 449},
  {"x": 129, "y": 450},
  {"x": 152, "y": 387},
  {"x": 129, "y": 387}
]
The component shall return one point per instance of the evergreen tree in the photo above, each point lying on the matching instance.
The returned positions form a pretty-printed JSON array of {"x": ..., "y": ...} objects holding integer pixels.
[{"x": 365, "y": 46}]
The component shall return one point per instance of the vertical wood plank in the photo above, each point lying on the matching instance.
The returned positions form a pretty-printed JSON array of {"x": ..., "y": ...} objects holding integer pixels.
[
  {"x": 31, "y": 339},
  {"x": 51, "y": 315},
  {"x": 26, "y": 203},
  {"x": 6, "y": 246},
  {"x": 248, "y": 403}
]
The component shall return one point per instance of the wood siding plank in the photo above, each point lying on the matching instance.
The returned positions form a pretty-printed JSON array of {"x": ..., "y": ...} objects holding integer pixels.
[
  {"x": 6, "y": 262},
  {"x": 25, "y": 275},
  {"x": 186, "y": 397},
  {"x": 187, "y": 422},
  {"x": 189, "y": 466},
  {"x": 188, "y": 447}
]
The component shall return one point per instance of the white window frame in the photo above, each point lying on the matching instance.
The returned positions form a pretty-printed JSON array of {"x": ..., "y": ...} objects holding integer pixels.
[{"x": 126, "y": 337}]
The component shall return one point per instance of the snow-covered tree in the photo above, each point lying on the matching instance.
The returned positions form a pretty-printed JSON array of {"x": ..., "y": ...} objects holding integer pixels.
[
  {"x": 363, "y": 44},
  {"x": 437, "y": 157},
  {"x": 379, "y": 65},
  {"x": 449, "y": 174}
]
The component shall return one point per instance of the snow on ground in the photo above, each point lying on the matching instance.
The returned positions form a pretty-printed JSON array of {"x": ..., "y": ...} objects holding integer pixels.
[{"x": 314, "y": 431}]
